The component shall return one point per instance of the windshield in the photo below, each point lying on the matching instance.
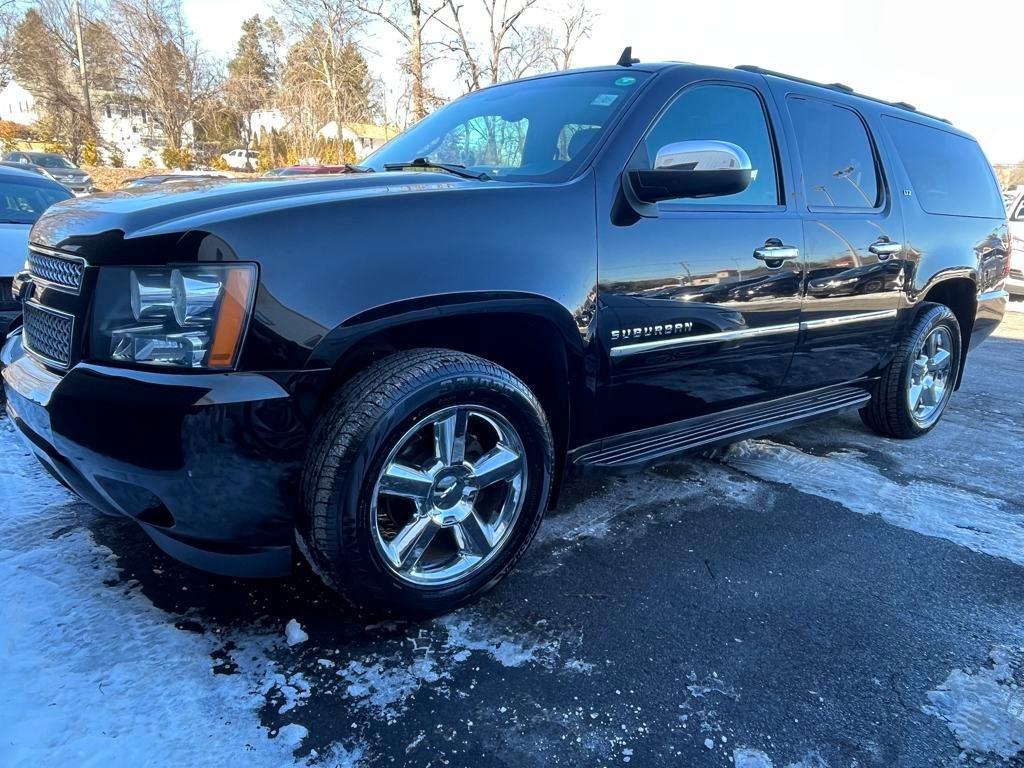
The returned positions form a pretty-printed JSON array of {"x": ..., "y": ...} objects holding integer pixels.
[
  {"x": 51, "y": 161},
  {"x": 534, "y": 130},
  {"x": 24, "y": 203}
]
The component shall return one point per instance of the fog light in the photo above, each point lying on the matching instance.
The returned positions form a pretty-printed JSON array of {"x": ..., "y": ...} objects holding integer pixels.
[{"x": 157, "y": 347}]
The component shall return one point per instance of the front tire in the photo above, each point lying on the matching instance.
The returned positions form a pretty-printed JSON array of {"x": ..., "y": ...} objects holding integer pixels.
[
  {"x": 912, "y": 394},
  {"x": 426, "y": 479}
]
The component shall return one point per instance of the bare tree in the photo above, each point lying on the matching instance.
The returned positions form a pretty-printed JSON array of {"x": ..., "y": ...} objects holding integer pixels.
[
  {"x": 575, "y": 24},
  {"x": 45, "y": 56},
  {"x": 410, "y": 19},
  {"x": 507, "y": 45},
  {"x": 324, "y": 65},
  {"x": 164, "y": 64}
]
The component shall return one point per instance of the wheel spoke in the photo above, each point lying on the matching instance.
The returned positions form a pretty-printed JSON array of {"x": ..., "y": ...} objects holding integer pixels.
[
  {"x": 497, "y": 464},
  {"x": 473, "y": 536},
  {"x": 928, "y": 395},
  {"x": 406, "y": 549},
  {"x": 450, "y": 438},
  {"x": 939, "y": 361},
  {"x": 916, "y": 390},
  {"x": 403, "y": 480}
]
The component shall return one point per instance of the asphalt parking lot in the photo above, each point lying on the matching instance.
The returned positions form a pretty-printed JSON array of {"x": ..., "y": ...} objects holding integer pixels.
[{"x": 823, "y": 598}]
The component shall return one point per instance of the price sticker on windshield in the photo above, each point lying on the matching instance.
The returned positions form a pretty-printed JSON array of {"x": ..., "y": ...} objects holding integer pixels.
[{"x": 604, "y": 100}]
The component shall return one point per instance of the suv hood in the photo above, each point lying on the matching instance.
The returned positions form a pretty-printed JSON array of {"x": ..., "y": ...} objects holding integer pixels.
[{"x": 185, "y": 206}]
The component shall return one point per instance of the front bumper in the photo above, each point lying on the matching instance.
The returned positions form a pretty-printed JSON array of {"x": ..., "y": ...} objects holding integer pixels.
[{"x": 208, "y": 464}]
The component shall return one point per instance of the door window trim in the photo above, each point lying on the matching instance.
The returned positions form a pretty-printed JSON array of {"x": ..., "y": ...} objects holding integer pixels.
[
  {"x": 676, "y": 206},
  {"x": 883, "y": 182}
]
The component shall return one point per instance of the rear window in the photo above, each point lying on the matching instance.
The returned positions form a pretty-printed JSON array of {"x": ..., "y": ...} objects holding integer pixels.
[{"x": 949, "y": 173}]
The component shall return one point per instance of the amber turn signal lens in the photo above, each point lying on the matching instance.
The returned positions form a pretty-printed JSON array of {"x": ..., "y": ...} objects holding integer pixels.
[{"x": 234, "y": 311}]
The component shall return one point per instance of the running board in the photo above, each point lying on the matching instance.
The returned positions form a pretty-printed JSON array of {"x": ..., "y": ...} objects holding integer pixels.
[{"x": 638, "y": 449}]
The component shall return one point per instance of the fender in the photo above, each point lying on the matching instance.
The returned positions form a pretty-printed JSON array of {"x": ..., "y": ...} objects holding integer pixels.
[{"x": 574, "y": 331}]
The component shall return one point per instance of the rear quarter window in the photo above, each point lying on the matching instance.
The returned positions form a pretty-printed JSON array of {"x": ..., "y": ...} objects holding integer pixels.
[{"x": 949, "y": 173}]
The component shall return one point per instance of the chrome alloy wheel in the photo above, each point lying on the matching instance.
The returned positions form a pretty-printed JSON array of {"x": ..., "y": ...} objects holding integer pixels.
[
  {"x": 931, "y": 377},
  {"x": 448, "y": 495}
]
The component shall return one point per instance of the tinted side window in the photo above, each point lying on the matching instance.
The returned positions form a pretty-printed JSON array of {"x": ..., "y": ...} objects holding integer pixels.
[
  {"x": 836, "y": 155},
  {"x": 949, "y": 173},
  {"x": 722, "y": 113}
]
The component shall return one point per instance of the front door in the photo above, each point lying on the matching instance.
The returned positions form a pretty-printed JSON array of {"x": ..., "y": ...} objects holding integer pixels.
[
  {"x": 699, "y": 305},
  {"x": 852, "y": 242}
]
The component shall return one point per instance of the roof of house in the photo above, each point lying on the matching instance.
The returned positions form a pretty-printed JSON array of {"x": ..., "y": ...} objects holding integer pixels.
[{"x": 361, "y": 130}]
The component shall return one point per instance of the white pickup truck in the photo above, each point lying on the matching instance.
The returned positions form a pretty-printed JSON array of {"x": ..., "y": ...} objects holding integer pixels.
[{"x": 241, "y": 159}]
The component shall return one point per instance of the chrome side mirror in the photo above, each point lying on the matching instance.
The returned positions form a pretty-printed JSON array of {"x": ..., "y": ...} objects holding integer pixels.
[
  {"x": 691, "y": 169},
  {"x": 702, "y": 156}
]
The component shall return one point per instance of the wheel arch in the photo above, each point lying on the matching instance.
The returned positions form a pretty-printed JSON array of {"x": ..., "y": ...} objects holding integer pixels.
[
  {"x": 959, "y": 292},
  {"x": 534, "y": 337}
]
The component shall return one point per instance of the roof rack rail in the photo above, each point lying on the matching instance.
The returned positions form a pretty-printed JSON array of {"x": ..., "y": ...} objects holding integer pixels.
[{"x": 837, "y": 87}]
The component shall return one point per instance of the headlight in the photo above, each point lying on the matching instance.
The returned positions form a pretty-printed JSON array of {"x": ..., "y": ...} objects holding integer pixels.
[{"x": 189, "y": 316}]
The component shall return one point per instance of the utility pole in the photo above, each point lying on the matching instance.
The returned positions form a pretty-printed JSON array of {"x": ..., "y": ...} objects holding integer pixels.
[{"x": 83, "y": 74}]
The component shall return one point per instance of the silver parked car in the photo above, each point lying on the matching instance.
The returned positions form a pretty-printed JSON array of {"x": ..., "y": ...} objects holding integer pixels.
[{"x": 58, "y": 167}]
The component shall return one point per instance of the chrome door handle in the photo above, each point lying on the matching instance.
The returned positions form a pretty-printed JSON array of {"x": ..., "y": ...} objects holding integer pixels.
[
  {"x": 773, "y": 255},
  {"x": 884, "y": 248}
]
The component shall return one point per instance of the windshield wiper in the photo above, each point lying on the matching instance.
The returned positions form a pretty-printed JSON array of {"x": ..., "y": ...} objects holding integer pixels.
[
  {"x": 353, "y": 168},
  {"x": 422, "y": 162}
]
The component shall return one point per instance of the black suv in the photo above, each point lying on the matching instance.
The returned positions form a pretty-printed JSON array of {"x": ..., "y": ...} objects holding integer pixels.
[{"x": 395, "y": 367}]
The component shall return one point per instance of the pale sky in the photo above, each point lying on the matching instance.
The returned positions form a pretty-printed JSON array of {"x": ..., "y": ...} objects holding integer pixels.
[{"x": 958, "y": 60}]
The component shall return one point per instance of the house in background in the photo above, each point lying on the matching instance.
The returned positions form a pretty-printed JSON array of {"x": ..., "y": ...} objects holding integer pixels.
[
  {"x": 365, "y": 137},
  {"x": 122, "y": 123},
  {"x": 17, "y": 105},
  {"x": 125, "y": 123}
]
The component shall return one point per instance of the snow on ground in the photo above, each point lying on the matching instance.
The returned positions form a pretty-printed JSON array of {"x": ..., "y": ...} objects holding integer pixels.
[
  {"x": 93, "y": 673},
  {"x": 985, "y": 709},
  {"x": 969, "y": 518}
]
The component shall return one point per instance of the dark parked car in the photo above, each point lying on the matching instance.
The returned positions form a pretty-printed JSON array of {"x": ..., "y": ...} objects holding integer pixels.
[
  {"x": 174, "y": 178},
  {"x": 24, "y": 196},
  {"x": 594, "y": 269},
  {"x": 57, "y": 166},
  {"x": 311, "y": 170}
]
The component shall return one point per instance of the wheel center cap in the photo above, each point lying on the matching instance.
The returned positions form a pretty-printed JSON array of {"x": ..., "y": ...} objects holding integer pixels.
[{"x": 451, "y": 499}]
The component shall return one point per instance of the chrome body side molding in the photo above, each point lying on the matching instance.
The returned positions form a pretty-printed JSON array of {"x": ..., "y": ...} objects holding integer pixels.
[{"x": 748, "y": 333}]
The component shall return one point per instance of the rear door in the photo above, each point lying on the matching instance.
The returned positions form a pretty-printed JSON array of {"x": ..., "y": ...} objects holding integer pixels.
[
  {"x": 853, "y": 234},
  {"x": 694, "y": 315}
]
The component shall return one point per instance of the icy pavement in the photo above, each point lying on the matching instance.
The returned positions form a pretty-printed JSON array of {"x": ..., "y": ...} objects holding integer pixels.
[
  {"x": 825, "y": 598},
  {"x": 94, "y": 673}
]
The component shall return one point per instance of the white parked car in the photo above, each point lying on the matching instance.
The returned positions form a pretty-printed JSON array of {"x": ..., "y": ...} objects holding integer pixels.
[{"x": 241, "y": 159}]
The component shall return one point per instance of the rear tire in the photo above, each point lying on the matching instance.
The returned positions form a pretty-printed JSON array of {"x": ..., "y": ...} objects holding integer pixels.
[
  {"x": 912, "y": 394},
  {"x": 401, "y": 514}
]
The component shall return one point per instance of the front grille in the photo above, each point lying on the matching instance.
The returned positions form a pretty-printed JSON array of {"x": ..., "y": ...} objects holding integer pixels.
[
  {"x": 64, "y": 272},
  {"x": 48, "y": 334},
  {"x": 7, "y": 301},
  {"x": 1017, "y": 274}
]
